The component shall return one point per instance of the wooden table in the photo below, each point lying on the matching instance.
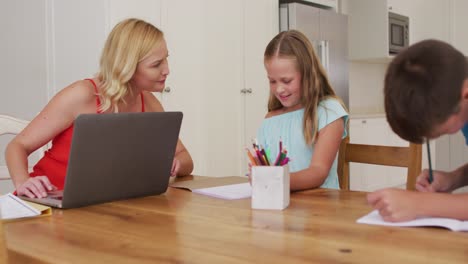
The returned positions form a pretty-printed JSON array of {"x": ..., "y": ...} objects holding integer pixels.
[{"x": 319, "y": 226}]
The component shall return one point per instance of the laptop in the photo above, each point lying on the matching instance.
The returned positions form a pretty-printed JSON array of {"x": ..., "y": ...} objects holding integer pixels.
[{"x": 117, "y": 156}]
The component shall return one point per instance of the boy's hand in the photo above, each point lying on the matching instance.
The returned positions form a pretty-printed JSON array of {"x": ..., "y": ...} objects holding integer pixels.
[
  {"x": 395, "y": 205},
  {"x": 442, "y": 181}
]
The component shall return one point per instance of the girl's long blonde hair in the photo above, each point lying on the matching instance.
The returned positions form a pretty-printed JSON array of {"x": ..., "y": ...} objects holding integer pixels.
[
  {"x": 129, "y": 42},
  {"x": 315, "y": 86}
]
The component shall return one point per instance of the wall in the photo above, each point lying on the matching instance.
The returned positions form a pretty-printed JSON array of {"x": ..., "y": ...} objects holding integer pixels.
[{"x": 23, "y": 61}]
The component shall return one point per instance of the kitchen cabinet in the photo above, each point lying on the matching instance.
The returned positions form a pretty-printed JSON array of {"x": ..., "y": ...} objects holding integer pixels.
[
  {"x": 375, "y": 130},
  {"x": 368, "y": 25},
  {"x": 325, "y": 4}
]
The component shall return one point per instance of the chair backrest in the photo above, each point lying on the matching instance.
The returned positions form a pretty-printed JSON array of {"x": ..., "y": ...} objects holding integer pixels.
[
  {"x": 11, "y": 125},
  {"x": 409, "y": 157}
]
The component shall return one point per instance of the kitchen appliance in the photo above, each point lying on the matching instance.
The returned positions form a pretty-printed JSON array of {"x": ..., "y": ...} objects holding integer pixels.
[
  {"x": 328, "y": 32},
  {"x": 398, "y": 32}
]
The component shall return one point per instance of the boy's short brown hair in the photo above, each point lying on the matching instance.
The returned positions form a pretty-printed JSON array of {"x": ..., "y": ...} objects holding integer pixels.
[{"x": 423, "y": 88}]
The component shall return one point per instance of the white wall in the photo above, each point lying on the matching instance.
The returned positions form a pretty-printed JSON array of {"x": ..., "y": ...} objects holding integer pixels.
[{"x": 23, "y": 91}]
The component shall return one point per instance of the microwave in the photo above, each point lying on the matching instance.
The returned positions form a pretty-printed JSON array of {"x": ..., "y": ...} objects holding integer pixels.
[{"x": 398, "y": 32}]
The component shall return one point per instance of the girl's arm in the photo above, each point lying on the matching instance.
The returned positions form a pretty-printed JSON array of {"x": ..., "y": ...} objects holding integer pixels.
[{"x": 326, "y": 147}]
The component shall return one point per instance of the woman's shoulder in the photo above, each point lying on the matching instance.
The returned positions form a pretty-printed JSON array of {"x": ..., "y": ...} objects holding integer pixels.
[
  {"x": 78, "y": 95},
  {"x": 79, "y": 89},
  {"x": 152, "y": 103}
]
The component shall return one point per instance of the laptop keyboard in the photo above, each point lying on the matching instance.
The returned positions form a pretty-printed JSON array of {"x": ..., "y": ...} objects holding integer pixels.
[{"x": 57, "y": 195}]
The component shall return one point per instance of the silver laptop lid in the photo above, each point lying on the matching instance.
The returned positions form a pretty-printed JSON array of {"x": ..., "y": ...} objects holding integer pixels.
[{"x": 120, "y": 156}]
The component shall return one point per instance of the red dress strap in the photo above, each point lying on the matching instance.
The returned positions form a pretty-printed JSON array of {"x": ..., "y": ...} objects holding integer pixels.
[
  {"x": 142, "y": 103},
  {"x": 98, "y": 102}
]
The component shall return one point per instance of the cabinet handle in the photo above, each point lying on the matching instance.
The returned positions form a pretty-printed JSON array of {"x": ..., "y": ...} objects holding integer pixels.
[
  {"x": 364, "y": 121},
  {"x": 246, "y": 91},
  {"x": 167, "y": 89}
]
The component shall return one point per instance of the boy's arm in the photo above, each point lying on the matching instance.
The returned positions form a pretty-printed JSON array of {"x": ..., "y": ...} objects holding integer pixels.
[
  {"x": 462, "y": 176},
  {"x": 396, "y": 205},
  {"x": 445, "y": 205}
]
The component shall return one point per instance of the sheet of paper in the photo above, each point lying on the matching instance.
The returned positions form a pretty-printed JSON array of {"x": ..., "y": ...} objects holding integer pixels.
[
  {"x": 207, "y": 182},
  {"x": 12, "y": 207},
  {"x": 229, "y": 192},
  {"x": 374, "y": 218}
]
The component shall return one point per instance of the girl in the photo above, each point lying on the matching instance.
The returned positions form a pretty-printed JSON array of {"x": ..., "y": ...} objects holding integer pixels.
[
  {"x": 303, "y": 112},
  {"x": 133, "y": 65}
]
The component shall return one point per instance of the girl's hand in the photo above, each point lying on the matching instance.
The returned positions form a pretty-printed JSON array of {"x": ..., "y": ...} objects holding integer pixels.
[
  {"x": 175, "y": 167},
  {"x": 36, "y": 187},
  {"x": 442, "y": 181}
]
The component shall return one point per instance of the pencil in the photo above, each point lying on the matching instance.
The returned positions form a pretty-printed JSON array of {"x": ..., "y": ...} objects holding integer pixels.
[
  {"x": 251, "y": 158},
  {"x": 431, "y": 176}
]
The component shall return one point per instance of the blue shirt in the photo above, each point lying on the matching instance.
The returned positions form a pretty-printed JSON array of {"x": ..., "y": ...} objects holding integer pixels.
[
  {"x": 288, "y": 127},
  {"x": 465, "y": 132}
]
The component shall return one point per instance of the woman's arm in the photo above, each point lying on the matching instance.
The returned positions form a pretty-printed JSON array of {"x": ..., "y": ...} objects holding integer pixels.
[
  {"x": 183, "y": 164},
  {"x": 57, "y": 115},
  {"x": 182, "y": 156},
  {"x": 326, "y": 147}
]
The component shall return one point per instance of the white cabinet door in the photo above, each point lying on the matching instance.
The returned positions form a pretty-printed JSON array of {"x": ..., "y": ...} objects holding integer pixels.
[
  {"x": 205, "y": 45},
  {"x": 367, "y": 177},
  {"x": 260, "y": 26}
]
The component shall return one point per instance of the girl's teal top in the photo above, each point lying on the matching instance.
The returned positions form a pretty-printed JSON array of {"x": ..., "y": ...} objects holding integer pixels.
[{"x": 288, "y": 128}]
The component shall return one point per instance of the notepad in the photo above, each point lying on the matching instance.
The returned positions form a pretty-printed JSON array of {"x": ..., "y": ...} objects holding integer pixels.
[
  {"x": 374, "y": 218},
  {"x": 228, "y": 192},
  {"x": 12, "y": 207}
]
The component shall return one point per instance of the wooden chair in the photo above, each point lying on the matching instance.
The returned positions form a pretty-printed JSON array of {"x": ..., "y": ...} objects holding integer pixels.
[
  {"x": 3, "y": 247},
  {"x": 409, "y": 157},
  {"x": 11, "y": 125}
]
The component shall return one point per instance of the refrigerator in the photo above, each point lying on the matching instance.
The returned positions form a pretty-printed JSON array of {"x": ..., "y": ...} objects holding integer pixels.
[{"x": 328, "y": 32}]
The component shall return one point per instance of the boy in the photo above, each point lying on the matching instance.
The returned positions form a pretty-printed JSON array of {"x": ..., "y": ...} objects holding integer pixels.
[{"x": 426, "y": 96}]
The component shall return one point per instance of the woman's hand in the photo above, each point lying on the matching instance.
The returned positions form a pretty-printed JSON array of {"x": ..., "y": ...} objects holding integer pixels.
[
  {"x": 35, "y": 187},
  {"x": 175, "y": 167}
]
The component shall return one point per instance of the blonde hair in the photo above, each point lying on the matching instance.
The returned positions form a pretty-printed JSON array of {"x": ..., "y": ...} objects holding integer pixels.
[
  {"x": 129, "y": 42},
  {"x": 315, "y": 86}
]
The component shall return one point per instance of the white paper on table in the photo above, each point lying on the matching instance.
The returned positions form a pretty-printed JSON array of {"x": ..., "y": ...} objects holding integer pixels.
[
  {"x": 229, "y": 192},
  {"x": 374, "y": 218},
  {"x": 13, "y": 207}
]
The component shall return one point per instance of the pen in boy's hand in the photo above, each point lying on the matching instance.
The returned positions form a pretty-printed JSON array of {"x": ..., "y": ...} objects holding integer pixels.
[{"x": 431, "y": 177}]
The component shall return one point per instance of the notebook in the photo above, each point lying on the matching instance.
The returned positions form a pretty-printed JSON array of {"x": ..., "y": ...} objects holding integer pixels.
[
  {"x": 118, "y": 156},
  {"x": 374, "y": 218},
  {"x": 12, "y": 207}
]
